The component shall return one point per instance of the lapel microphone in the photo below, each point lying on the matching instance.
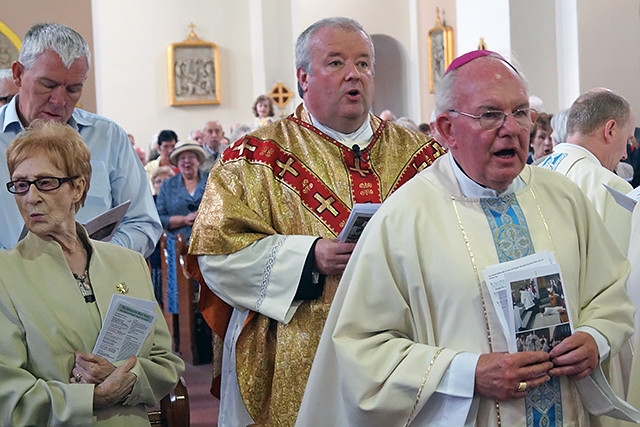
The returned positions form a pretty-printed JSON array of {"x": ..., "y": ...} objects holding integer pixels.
[{"x": 357, "y": 152}]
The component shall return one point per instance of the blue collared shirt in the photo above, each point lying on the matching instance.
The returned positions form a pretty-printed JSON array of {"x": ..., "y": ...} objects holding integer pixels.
[{"x": 117, "y": 176}]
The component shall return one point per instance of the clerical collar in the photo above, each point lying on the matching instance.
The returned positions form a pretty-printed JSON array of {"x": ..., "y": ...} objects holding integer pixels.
[
  {"x": 362, "y": 135},
  {"x": 472, "y": 189}
]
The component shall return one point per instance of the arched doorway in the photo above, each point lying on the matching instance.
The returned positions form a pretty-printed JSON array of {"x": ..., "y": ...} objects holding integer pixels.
[{"x": 390, "y": 76}]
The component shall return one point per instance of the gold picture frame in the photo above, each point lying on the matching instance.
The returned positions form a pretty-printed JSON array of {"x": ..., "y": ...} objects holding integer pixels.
[
  {"x": 441, "y": 51},
  {"x": 10, "y": 45},
  {"x": 194, "y": 72}
]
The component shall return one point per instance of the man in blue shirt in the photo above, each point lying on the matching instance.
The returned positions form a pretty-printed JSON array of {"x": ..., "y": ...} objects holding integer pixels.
[{"x": 50, "y": 72}]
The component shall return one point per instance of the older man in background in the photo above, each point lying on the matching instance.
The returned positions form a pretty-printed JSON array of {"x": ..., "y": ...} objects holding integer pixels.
[
  {"x": 198, "y": 136},
  {"x": 213, "y": 142},
  {"x": 8, "y": 88},
  {"x": 599, "y": 125},
  {"x": 50, "y": 73}
]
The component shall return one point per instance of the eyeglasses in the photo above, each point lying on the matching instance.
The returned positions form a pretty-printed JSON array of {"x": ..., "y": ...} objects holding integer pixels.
[
  {"x": 185, "y": 157},
  {"x": 46, "y": 183},
  {"x": 495, "y": 119},
  {"x": 6, "y": 99}
]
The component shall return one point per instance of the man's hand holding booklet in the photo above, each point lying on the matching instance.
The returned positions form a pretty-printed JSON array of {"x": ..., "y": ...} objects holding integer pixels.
[{"x": 517, "y": 289}]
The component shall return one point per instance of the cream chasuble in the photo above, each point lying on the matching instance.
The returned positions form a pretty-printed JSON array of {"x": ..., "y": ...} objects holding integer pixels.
[
  {"x": 412, "y": 298},
  {"x": 271, "y": 196},
  {"x": 583, "y": 167}
]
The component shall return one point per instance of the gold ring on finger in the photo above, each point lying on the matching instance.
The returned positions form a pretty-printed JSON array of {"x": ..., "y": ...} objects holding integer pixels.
[{"x": 522, "y": 386}]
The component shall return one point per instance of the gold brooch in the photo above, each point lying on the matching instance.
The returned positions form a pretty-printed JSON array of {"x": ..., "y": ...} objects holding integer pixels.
[{"x": 122, "y": 288}]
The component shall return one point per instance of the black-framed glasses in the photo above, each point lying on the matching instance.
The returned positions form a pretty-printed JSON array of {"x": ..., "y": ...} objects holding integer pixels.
[
  {"x": 494, "y": 119},
  {"x": 6, "y": 99},
  {"x": 46, "y": 183}
]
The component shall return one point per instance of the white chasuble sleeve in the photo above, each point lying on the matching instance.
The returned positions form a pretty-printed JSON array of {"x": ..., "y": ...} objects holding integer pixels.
[{"x": 262, "y": 277}]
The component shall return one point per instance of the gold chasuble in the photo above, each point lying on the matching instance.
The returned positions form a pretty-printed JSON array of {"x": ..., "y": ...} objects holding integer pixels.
[{"x": 270, "y": 182}]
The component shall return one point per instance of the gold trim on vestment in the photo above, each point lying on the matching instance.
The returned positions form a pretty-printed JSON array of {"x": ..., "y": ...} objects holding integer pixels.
[
  {"x": 422, "y": 384},
  {"x": 246, "y": 201}
]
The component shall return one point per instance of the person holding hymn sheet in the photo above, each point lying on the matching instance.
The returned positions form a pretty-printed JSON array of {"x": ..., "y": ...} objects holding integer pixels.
[
  {"x": 413, "y": 337},
  {"x": 273, "y": 206},
  {"x": 55, "y": 288}
]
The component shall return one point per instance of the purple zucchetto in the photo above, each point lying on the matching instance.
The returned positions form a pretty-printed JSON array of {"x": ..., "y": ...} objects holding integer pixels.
[{"x": 470, "y": 56}]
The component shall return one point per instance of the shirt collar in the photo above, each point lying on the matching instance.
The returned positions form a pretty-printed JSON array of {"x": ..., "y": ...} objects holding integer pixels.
[
  {"x": 209, "y": 151},
  {"x": 472, "y": 189},
  {"x": 362, "y": 135},
  {"x": 11, "y": 117}
]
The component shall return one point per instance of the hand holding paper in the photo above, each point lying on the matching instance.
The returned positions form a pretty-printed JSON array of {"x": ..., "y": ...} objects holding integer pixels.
[
  {"x": 116, "y": 386},
  {"x": 91, "y": 369},
  {"x": 498, "y": 374},
  {"x": 576, "y": 356},
  {"x": 332, "y": 256},
  {"x": 126, "y": 326}
]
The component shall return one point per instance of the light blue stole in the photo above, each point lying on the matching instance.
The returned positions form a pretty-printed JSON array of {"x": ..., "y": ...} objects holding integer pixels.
[{"x": 512, "y": 240}]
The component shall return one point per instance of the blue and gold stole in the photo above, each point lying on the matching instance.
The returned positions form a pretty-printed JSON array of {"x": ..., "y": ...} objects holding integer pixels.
[{"x": 512, "y": 240}]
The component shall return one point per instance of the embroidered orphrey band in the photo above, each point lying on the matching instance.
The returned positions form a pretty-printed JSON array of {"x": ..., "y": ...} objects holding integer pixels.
[{"x": 267, "y": 271}]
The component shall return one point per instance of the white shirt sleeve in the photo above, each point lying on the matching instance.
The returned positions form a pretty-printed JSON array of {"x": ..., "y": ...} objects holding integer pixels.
[
  {"x": 451, "y": 404},
  {"x": 601, "y": 341},
  {"x": 262, "y": 277}
]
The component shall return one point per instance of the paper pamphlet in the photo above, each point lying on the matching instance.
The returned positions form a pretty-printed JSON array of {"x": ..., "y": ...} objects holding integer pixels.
[
  {"x": 627, "y": 201},
  {"x": 358, "y": 219},
  {"x": 126, "y": 326},
  {"x": 101, "y": 227},
  {"x": 500, "y": 292},
  {"x": 539, "y": 275},
  {"x": 549, "y": 320}
]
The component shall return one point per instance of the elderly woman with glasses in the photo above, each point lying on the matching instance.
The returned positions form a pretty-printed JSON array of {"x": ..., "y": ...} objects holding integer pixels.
[{"x": 55, "y": 289}]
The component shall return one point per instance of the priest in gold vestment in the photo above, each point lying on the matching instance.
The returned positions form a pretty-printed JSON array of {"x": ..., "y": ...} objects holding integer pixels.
[
  {"x": 413, "y": 337},
  {"x": 266, "y": 228}
]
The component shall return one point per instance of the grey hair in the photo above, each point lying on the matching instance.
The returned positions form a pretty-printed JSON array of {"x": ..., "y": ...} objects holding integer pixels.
[
  {"x": 64, "y": 41},
  {"x": 559, "y": 126},
  {"x": 594, "y": 108},
  {"x": 444, "y": 93},
  {"x": 6, "y": 73},
  {"x": 239, "y": 132},
  {"x": 305, "y": 41}
]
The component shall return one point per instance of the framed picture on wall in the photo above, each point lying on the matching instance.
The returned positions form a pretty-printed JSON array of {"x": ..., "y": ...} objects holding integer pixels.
[
  {"x": 10, "y": 45},
  {"x": 194, "y": 72},
  {"x": 441, "y": 51}
]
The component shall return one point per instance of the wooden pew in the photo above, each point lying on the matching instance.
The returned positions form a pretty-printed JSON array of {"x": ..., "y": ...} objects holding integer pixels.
[
  {"x": 173, "y": 410},
  {"x": 186, "y": 305},
  {"x": 183, "y": 324}
]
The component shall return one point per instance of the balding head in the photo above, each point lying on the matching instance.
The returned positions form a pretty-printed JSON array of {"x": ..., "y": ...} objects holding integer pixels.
[
  {"x": 602, "y": 122},
  {"x": 213, "y": 135}
]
